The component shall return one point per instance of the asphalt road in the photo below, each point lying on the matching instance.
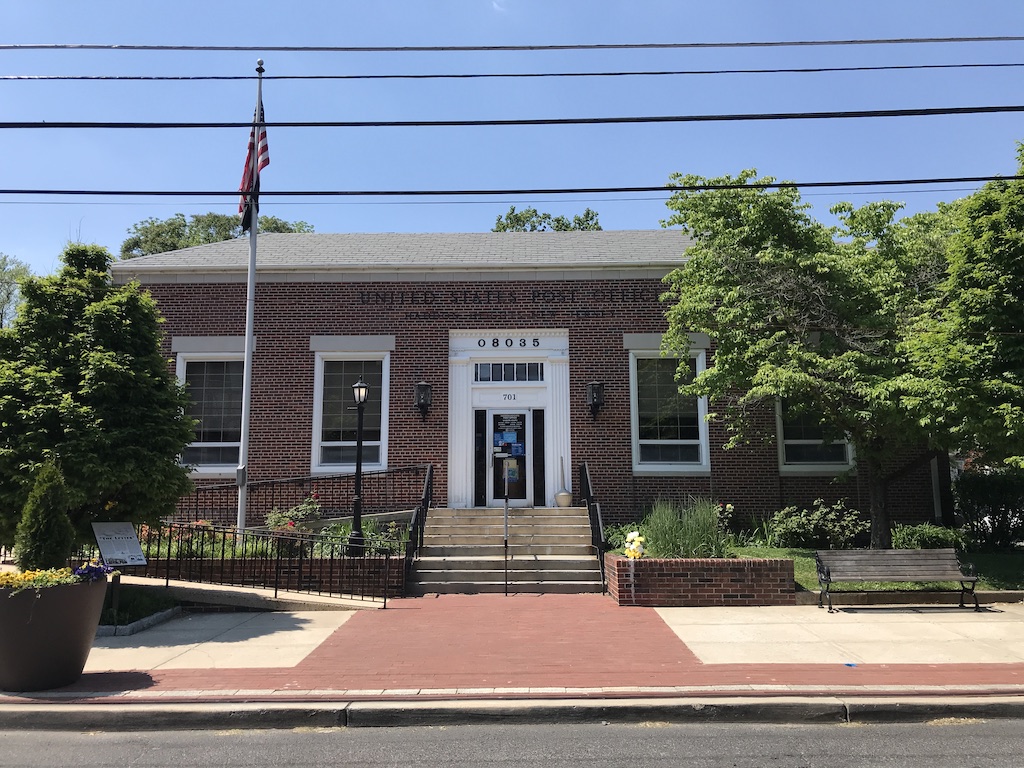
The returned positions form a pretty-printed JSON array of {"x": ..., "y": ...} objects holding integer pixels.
[{"x": 950, "y": 742}]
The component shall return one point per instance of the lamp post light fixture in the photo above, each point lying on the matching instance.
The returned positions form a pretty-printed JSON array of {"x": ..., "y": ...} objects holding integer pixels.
[
  {"x": 422, "y": 396},
  {"x": 355, "y": 540},
  {"x": 595, "y": 397}
]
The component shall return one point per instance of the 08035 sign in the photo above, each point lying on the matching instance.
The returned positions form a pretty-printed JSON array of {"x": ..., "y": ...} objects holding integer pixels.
[{"x": 508, "y": 342}]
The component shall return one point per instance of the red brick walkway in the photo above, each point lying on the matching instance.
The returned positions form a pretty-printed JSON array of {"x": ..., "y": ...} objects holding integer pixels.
[{"x": 530, "y": 642}]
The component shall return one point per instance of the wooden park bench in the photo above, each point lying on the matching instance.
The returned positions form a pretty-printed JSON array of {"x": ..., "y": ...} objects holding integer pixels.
[{"x": 893, "y": 565}]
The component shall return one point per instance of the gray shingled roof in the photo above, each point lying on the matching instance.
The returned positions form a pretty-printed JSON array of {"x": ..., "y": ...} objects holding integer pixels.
[{"x": 662, "y": 248}]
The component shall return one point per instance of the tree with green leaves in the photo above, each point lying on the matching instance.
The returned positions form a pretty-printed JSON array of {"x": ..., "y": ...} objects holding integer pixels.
[
  {"x": 529, "y": 220},
  {"x": 162, "y": 235},
  {"x": 968, "y": 349},
  {"x": 45, "y": 536},
  {"x": 83, "y": 383},
  {"x": 812, "y": 315},
  {"x": 13, "y": 272}
]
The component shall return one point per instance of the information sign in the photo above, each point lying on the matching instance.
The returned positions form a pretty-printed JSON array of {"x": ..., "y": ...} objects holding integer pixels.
[{"x": 118, "y": 543}]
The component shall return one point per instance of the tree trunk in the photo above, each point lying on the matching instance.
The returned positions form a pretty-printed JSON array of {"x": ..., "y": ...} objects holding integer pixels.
[{"x": 881, "y": 530}]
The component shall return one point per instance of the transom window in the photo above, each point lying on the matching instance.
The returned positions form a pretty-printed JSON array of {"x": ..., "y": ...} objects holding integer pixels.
[
  {"x": 669, "y": 430},
  {"x": 508, "y": 372}
]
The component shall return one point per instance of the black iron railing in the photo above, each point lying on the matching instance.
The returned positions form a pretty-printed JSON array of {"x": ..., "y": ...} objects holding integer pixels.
[
  {"x": 390, "y": 490},
  {"x": 291, "y": 562},
  {"x": 594, "y": 513},
  {"x": 419, "y": 521}
]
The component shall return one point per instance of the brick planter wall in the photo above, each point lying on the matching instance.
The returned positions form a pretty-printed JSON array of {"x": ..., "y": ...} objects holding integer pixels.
[{"x": 655, "y": 582}]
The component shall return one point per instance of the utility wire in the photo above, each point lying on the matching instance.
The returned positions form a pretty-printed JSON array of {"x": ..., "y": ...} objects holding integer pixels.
[
  {"x": 482, "y": 75},
  {"x": 488, "y": 192},
  {"x": 467, "y": 48},
  {"x": 845, "y": 114}
]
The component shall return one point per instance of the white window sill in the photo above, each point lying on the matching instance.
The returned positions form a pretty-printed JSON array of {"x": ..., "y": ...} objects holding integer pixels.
[
  {"x": 213, "y": 473},
  {"x": 644, "y": 470},
  {"x": 815, "y": 470}
]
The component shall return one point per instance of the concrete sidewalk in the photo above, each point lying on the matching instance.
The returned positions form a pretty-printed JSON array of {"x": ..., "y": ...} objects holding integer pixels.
[{"x": 581, "y": 655}]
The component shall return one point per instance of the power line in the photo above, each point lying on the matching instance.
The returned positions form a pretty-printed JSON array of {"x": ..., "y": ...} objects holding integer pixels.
[
  {"x": 668, "y": 189},
  {"x": 489, "y": 48},
  {"x": 844, "y": 114},
  {"x": 483, "y": 75}
]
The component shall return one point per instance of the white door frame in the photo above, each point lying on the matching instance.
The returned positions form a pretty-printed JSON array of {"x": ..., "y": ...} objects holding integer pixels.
[{"x": 466, "y": 396}]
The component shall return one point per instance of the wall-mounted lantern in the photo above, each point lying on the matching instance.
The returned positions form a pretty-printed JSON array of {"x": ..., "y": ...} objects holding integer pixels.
[
  {"x": 422, "y": 397},
  {"x": 595, "y": 397}
]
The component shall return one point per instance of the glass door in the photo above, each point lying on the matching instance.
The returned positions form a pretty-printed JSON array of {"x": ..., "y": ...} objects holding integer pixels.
[{"x": 509, "y": 438}]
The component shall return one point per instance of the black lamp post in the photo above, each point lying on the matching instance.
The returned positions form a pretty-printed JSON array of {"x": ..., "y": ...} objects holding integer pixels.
[{"x": 355, "y": 540}]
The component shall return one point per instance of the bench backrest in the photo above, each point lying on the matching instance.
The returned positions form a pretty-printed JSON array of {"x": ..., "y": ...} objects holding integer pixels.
[{"x": 890, "y": 564}]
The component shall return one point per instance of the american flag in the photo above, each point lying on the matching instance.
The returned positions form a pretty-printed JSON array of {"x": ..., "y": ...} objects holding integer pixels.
[{"x": 248, "y": 204}]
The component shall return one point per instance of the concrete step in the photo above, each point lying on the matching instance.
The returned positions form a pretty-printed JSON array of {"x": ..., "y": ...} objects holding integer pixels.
[
  {"x": 516, "y": 550},
  {"x": 520, "y": 587},
  {"x": 446, "y": 512},
  {"x": 514, "y": 538},
  {"x": 549, "y": 550},
  {"x": 513, "y": 522},
  {"x": 498, "y": 574},
  {"x": 529, "y": 562}
]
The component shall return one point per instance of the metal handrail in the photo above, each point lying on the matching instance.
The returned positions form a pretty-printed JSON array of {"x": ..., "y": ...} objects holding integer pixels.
[
  {"x": 384, "y": 491},
  {"x": 419, "y": 521},
  {"x": 597, "y": 538},
  {"x": 282, "y": 561}
]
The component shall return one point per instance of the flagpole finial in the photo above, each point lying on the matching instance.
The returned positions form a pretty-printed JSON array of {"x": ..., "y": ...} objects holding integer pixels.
[{"x": 259, "y": 66}]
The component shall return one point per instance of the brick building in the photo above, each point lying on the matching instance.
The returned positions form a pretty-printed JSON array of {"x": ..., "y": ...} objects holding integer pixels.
[{"x": 517, "y": 335}]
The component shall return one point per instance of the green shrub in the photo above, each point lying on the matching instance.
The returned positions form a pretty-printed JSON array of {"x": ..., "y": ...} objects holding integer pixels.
[
  {"x": 822, "y": 527},
  {"x": 298, "y": 518},
  {"x": 615, "y": 535},
  {"x": 45, "y": 536},
  {"x": 927, "y": 536},
  {"x": 991, "y": 503},
  {"x": 696, "y": 530}
]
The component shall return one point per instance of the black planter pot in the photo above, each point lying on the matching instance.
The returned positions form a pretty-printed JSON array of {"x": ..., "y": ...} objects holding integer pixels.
[{"x": 46, "y": 635}]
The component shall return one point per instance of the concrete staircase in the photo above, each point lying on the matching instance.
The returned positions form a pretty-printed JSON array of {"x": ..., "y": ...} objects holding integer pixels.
[{"x": 549, "y": 550}]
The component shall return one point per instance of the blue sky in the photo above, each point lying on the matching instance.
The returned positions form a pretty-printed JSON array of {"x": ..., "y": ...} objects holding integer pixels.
[{"x": 36, "y": 229}]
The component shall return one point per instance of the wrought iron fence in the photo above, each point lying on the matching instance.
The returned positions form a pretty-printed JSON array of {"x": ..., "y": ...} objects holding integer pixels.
[
  {"x": 594, "y": 513},
  {"x": 292, "y": 562},
  {"x": 390, "y": 490}
]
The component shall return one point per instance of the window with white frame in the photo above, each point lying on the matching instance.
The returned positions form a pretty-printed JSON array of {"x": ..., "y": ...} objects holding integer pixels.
[
  {"x": 214, "y": 385},
  {"x": 335, "y": 416},
  {"x": 669, "y": 429},
  {"x": 803, "y": 445}
]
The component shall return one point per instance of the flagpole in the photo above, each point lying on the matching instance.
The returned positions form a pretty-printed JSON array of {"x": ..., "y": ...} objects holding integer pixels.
[{"x": 241, "y": 475}]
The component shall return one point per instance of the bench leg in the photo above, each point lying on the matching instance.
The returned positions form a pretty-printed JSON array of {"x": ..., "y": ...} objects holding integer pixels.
[
  {"x": 969, "y": 589},
  {"x": 823, "y": 592}
]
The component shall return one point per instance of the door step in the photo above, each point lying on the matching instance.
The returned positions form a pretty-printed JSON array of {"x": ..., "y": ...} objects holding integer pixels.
[{"x": 549, "y": 551}]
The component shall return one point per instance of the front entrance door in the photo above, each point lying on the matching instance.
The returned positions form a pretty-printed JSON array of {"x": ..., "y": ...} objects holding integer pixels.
[{"x": 508, "y": 434}]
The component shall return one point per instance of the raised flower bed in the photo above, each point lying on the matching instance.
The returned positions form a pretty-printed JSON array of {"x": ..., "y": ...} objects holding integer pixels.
[{"x": 657, "y": 582}]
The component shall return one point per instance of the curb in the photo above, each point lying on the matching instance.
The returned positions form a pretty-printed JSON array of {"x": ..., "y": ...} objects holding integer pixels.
[
  {"x": 219, "y": 716},
  {"x": 119, "y": 630}
]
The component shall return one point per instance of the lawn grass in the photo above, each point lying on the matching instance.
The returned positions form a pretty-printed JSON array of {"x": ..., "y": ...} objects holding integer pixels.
[{"x": 997, "y": 570}]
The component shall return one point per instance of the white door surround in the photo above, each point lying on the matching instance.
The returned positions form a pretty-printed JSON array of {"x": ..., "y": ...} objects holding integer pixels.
[{"x": 467, "y": 350}]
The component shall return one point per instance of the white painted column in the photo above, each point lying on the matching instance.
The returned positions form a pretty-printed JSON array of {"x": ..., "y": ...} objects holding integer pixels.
[
  {"x": 460, "y": 433},
  {"x": 556, "y": 424}
]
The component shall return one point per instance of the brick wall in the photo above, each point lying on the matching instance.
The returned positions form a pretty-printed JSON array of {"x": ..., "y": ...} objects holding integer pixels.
[
  {"x": 655, "y": 582},
  {"x": 419, "y": 315}
]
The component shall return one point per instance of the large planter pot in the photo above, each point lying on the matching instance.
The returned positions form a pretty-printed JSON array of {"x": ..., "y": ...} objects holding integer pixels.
[{"x": 46, "y": 634}]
